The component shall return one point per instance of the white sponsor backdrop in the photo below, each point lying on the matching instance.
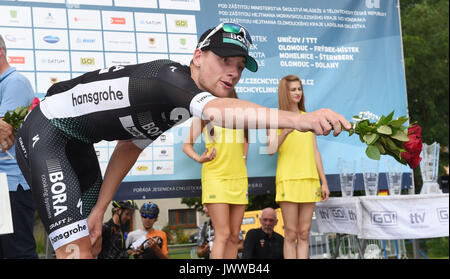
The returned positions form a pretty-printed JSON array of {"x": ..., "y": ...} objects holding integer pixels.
[
  {"x": 386, "y": 217},
  {"x": 64, "y": 39},
  {"x": 55, "y": 40},
  {"x": 347, "y": 52}
]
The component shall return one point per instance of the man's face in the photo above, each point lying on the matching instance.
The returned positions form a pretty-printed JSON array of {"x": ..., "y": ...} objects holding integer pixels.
[
  {"x": 219, "y": 75},
  {"x": 268, "y": 222},
  {"x": 148, "y": 222},
  {"x": 126, "y": 215}
]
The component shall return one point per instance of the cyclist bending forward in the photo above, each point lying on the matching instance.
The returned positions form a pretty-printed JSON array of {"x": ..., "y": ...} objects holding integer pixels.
[{"x": 133, "y": 104}]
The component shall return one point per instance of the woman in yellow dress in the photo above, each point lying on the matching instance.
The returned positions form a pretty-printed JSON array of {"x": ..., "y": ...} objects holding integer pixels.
[
  {"x": 299, "y": 174},
  {"x": 224, "y": 181}
]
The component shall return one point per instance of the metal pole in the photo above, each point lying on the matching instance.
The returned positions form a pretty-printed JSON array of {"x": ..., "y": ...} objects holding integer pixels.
[
  {"x": 416, "y": 248},
  {"x": 49, "y": 253}
]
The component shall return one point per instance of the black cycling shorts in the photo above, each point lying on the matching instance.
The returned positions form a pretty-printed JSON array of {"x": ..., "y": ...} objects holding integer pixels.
[{"x": 64, "y": 175}]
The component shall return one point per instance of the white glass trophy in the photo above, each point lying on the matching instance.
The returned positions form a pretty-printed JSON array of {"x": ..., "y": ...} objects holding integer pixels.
[
  {"x": 347, "y": 176},
  {"x": 429, "y": 167},
  {"x": 370, "y": 170}
]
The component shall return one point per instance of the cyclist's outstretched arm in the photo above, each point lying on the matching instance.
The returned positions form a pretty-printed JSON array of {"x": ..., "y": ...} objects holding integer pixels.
[
  {"x": 123, "y": 158},
  {"x": 236, "y": 113}
]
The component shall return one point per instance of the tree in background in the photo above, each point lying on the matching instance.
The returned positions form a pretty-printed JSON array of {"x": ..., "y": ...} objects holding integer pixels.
[
  {"x": 425, "y": 44},
  {"x": 255, "y": 202}
]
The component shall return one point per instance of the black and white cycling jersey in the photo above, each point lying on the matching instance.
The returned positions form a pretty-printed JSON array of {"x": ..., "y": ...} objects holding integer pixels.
[
  {"x": 55, "y": 143},
  {"x": 123, "y": 102}
]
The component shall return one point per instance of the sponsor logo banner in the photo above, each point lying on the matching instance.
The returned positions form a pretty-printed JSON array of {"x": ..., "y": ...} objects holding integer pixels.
[
  {"x": 150, "y": 22},
  {"x": 15, "y": 16},
  {"x": 49, "y": 18},
  {"x": 86, "y": 98},
  {"x": 386, "y": 217},
  {"x": 69, "y": 233},
  {"x": 191, "y": 5}
]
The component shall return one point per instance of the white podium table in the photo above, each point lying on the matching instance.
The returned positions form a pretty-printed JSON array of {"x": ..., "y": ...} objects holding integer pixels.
[{"x": 385, "y": 217}]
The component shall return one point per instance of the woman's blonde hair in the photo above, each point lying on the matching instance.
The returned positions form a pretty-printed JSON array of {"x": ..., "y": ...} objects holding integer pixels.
[{"x": 284, "y": 98}]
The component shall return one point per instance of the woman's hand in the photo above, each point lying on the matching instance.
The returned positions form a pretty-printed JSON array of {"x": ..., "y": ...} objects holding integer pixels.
[
  {"x": 325, "y": 192},
  {"x": 207, "y": 157}
]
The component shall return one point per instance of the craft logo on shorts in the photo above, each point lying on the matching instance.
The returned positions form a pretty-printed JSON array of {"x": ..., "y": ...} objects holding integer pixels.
[
  {"x": 384, "y": 218},
  {"x": 443, "y": 214}
]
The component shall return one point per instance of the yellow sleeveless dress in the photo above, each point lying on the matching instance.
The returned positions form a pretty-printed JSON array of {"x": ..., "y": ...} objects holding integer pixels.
[
  {"x": 297, "y": 179},
  {"x": 224, "y": 179}
]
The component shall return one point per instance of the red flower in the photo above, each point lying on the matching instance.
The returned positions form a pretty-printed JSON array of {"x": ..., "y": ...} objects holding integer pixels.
[
  {"x": 413, "y": 147},
  {"x": 34, "y": 103}
]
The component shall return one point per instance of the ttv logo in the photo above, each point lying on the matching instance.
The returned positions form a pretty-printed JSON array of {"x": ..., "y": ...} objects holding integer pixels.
[
  {"x": 384, "y": 218},
  {"x": 417, "y": 217},
  {"x": 443, "y": 214},
  {"x": 373, "y": 4}
]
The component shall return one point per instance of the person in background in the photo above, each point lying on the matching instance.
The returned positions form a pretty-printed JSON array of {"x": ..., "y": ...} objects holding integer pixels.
[
  {"x": 264, "y": 243},
  {"x": 15, "y": 91},
  {"x": 114, "y": 232},
  {"x": 299, "y": 172},
  {"x": 205, "y": 239},
  {"x": 224, "y": 180},
  {"x": 148, "y": 243}
]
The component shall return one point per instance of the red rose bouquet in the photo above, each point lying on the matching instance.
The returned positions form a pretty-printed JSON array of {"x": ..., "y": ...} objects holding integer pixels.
[
  {"x": 16, "y": 117},
  {"x": 388, "y": 136}
]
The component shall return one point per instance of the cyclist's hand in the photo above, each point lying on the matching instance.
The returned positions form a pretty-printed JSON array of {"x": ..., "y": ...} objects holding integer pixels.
[
  {"x": 151, "y": 243},
  {"x": 94, "y": 221},
  {"x": 322, "y": 122},
  {"x": 7, "y": 136}
]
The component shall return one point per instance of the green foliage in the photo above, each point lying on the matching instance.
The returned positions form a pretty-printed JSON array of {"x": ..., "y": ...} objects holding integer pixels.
[
  {"x": 195, "y": 203},
  {"x": 15, "y": 118},
  {"x": 383, "y": 137},
  {"x": 254, "y": 202},
  {"x": 175, "y": 235},
  {"x": 437, "y": 247},
  {"x": 425, "y": 42}
]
